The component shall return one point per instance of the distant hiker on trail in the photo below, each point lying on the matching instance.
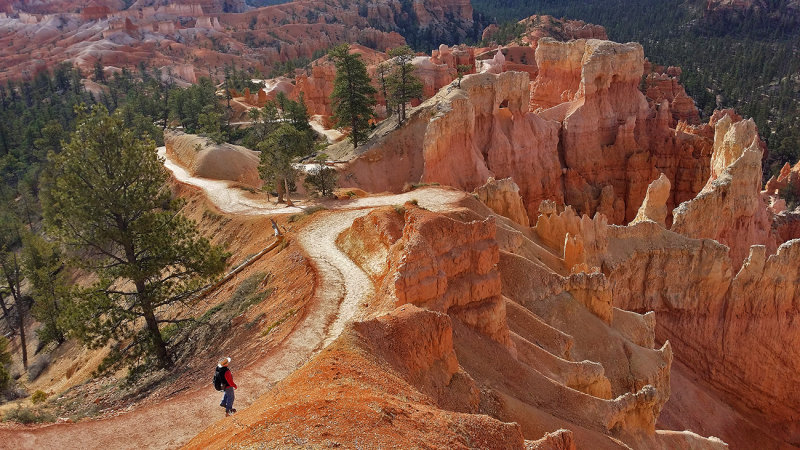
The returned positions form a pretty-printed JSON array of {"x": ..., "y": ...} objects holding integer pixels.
[{"x": 223, "y": 381}]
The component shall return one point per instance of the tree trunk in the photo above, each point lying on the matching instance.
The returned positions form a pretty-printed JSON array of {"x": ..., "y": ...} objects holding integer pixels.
[
  {"x": 288, "y": 200},
  {"x": 279, "y": 190},
  {"x": 159, "y": 346},
  {"x": 20, "y": 304}
]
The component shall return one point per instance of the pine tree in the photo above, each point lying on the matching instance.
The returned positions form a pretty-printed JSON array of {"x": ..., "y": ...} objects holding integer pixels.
[
  {"x": 404, "y": 86},
  {"x": 353, "y": 94},
  {"x": 105, "y": 196},
  {"x": 278, "y": 151},
  {"x": 11, "y": 277},
  {"x": 297, "y": 114},
  {"x": 383, "y": 72},
  {"x": 43, "y": 268},
  {"x": 321, "y": 179}
]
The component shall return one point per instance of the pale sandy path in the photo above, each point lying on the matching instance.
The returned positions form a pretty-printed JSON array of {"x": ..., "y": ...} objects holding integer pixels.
[
  {"x": 340, "y": 287},
  {"x": 331, "y": 135},
  {"x": 232, "y": 200}
]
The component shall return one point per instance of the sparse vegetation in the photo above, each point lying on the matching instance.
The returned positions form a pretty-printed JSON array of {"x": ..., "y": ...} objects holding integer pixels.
[
  {"x": 421, "y": 185},
  {"x": 463, "y": 69},
  {"x": 5, "y": 360},
  {"x": 306, "y": 213},
  {"x": 27, "y": 415},
  {"x": 278, "y": 322}
]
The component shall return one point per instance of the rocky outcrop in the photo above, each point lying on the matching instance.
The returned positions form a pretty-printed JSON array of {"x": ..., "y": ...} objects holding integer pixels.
[
  {"x": 202, "y": 158},
  {"x": 730, "y": 209},
  {"x": 557, "y": 440},
  {"x": 369, "y": 240},
  {"x": 729, "y": 327},
  {"x": 577, "y": 239},
  {"x": 786, "y": 185},
  {"x": 661, "y": 84},
  {"x": 449, "y": 266},
  {"x": 654, "y": 207},
  {"x": 502, "y": 196}
]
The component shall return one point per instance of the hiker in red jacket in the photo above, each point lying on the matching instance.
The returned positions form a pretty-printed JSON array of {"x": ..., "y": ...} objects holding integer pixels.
[{"x": 228, "y": 386}]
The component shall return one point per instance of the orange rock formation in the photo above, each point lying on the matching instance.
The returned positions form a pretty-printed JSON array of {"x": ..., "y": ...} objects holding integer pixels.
[
  {"x": 586, "y": 101},
  {"x": 489, "y": 348},
  {"x": 208, "y": 35}
]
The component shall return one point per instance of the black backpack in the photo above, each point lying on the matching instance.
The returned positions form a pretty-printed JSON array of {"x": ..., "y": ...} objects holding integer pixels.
[{"x": 219, "y": 379}]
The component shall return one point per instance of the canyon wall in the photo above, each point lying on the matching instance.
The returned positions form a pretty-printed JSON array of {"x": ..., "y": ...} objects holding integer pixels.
[{"x": 580, "y": 133}]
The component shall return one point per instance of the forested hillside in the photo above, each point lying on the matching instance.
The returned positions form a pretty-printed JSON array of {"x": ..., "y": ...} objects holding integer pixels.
[{"x": 749, "y": 59}]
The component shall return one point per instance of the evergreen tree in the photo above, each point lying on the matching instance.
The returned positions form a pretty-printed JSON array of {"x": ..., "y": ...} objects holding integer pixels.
[
  {"x": 210, "y": 124},
  {"x": 105, "y": 197},
  {"x": 383, "y": 73},
  {"x": 404, "y": 86},
  {"x": 278, "y": 151},
  {"x": 43, "y": 268},
  {"x": 353, "y": 95},
  {"x": 297, "y": 114},
  {"x": 321, "y": 179},
  {"x": 11, "y": 278}
]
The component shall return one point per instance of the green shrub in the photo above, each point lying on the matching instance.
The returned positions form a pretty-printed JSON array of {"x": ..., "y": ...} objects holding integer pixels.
[
  {"x": 38, "y": 397},
  {"x": 247, "y": 293}
]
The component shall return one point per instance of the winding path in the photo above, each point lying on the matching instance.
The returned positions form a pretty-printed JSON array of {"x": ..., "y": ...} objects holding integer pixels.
[{"x": 341, "y": 286}]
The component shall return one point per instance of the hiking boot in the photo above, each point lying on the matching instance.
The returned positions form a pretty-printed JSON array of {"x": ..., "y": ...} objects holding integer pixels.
[
  {"x": 227, "y": 413},
  {"x": 233, "y": 410}
]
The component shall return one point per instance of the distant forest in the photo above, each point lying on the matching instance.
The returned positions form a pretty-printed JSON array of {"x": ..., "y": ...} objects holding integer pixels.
[{"x": 750, "y": 62}]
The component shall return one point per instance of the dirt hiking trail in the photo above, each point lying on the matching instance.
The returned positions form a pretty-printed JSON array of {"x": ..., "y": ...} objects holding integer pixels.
[{"x": 340, "y": 286}]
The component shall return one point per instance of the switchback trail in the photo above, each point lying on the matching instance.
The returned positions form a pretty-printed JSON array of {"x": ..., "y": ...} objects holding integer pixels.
[{"x": 341, "y": 285}]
